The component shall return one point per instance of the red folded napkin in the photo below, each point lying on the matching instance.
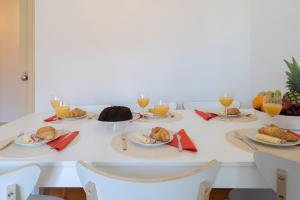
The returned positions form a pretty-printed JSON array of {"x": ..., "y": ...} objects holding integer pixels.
[
  {"x": 295, "y": 134},
  {"x": 205, "y": 115},
  {"x": 186, "y": 142},
  {"x": 63, "y": 141},
  {"x": 51, "y": 119}
]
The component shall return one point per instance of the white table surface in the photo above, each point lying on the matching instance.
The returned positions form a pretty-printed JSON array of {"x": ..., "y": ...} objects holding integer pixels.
[{"x": 237, "y": 171}]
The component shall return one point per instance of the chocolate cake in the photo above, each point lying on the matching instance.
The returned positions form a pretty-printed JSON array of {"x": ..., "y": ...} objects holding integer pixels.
[{"x": 115, "y": 114}]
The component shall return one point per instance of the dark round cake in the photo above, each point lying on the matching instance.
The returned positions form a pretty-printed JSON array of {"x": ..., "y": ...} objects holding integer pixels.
[{"x": 115, "y": 114}]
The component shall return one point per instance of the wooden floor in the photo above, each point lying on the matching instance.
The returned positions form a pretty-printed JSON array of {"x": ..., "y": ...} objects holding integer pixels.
[{"x": 78, "y": 193}]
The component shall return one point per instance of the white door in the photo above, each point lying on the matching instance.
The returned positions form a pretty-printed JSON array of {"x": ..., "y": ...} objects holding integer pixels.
[{"x": 16, "y": 56}]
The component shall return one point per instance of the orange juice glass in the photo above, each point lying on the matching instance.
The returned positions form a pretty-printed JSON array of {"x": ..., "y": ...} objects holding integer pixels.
[
  {"x": 272, "y": 109},
  {"x": 226, "y": 101},
  {"x": 55, "y": 104},
  {"x": 161, "y": 109},
  {"x": 143, "y": 102},
  {"x": 63, "y": 111}
]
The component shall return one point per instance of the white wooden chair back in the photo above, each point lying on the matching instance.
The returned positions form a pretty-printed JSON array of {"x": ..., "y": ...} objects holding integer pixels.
[
  {"x": 208, "y": 105},
  {"x": 192, "y": 185},
  {"x": 91, "y": 108},
  {"x": 282, "y": 175},
  {"x": 19, "y": 183},
  {"x": 135, "y": 106}
]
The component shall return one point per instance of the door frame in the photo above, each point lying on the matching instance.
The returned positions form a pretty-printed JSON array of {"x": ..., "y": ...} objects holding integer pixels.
[{"x": 27, "y": 52}]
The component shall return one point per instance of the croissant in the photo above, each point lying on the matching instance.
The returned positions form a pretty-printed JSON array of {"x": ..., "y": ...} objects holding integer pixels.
[
  {"x": 274, "y": 131},
  {"x": 76, "y": 113},
  {"x": 233, "y": 111},
  {"x": 160, "y": 134}
]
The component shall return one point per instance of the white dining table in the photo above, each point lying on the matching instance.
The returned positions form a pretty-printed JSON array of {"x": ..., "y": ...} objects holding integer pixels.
[{"x": 94, "y": 146}]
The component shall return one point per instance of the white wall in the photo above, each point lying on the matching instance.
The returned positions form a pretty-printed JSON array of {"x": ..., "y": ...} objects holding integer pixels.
[
  {"x": 275, "y": 36},
  {"x": 96, "y": 51}
]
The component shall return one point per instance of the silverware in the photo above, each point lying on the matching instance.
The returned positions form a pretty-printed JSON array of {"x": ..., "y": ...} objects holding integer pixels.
[
  {"x": 252, "y": 146},
  {"x": 124, "y": 143},
  {"x": 11, "y": 142},
  {"x": 179, "y": 143},
  {"x": 64, "y": 138},
  {"x": 248, "y": 115}
]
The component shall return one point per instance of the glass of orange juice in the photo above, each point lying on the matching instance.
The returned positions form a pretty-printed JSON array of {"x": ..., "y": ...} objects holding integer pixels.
[
  {"x": 143, "y": 102},
  {"x": 226, "y": 101},
  {"x": 272, "y": 106},
  {"x": 161, "y": 109},
  {"x": 55, "y": 102},
  {"x": 63, "y": 111}
]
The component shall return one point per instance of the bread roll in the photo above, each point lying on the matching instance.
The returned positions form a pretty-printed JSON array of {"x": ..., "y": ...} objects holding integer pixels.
[{"x": 46, "y": 133}]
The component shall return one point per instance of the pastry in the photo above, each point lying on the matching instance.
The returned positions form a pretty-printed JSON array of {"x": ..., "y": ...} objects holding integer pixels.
[
  {"x": 274, "y": 131},
  {"x": 46, "y": 133},
  {"x": 160, "y": 134},
  {"x": 233, "y": 111},
  {"x": 76, "y": 112},
  {"x": 115, "y": 114}
]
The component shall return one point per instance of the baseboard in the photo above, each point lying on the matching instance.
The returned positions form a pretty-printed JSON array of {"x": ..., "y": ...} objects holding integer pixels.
[{"x": 2, "y": 123}]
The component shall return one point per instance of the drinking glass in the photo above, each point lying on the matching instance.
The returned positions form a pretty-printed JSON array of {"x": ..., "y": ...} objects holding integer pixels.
[
  {"x": 55, "y": 102},
  {"x": 226, "y": 101},
  {"x": 143, "y": 102},
  {"x": 63, "y": 110},
  {"x": 272, "y": 106},
  {"x": 161, "y": 109}
]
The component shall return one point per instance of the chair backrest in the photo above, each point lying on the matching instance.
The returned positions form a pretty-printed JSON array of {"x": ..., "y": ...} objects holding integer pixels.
[
  {"x": 191, "y": 185},
  {"x": 91, "y": 108},
  {"x": 208, "y": 105},
  {"x": 280, "y": 174},
  {"x": 19, "y": 183},
  {"x": 135, "y": 106}
]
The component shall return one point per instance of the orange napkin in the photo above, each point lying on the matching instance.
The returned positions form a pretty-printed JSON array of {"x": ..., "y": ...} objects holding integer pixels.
[
  {"x": 51, "y": 119},
  {"x": 63, "y": 141},
  {"x": 295, "y": 134},
  {"x": 205, "y": 115},
  {"x": 186, "y": 142}
]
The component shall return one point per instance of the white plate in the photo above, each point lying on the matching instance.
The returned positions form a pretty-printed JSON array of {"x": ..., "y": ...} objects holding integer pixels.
[
  {"x": 21, "y": 140},
  {"x": 149, "y": 115},
  {"x": 251, "y": 135},
  {"x": 132, "y": 136},
  {"x": 75, "y": 118}
]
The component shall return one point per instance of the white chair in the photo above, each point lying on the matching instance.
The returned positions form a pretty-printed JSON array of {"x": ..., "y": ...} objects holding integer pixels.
[
  {"x": 283, "y": 177},
  {"x": 91, "y": 108},
  {"x": 135, "y": 106},
  {"x": 19, "y": 183},
  {"x": 194, "y": 184},
  {"x": 208, "y": 105}
]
